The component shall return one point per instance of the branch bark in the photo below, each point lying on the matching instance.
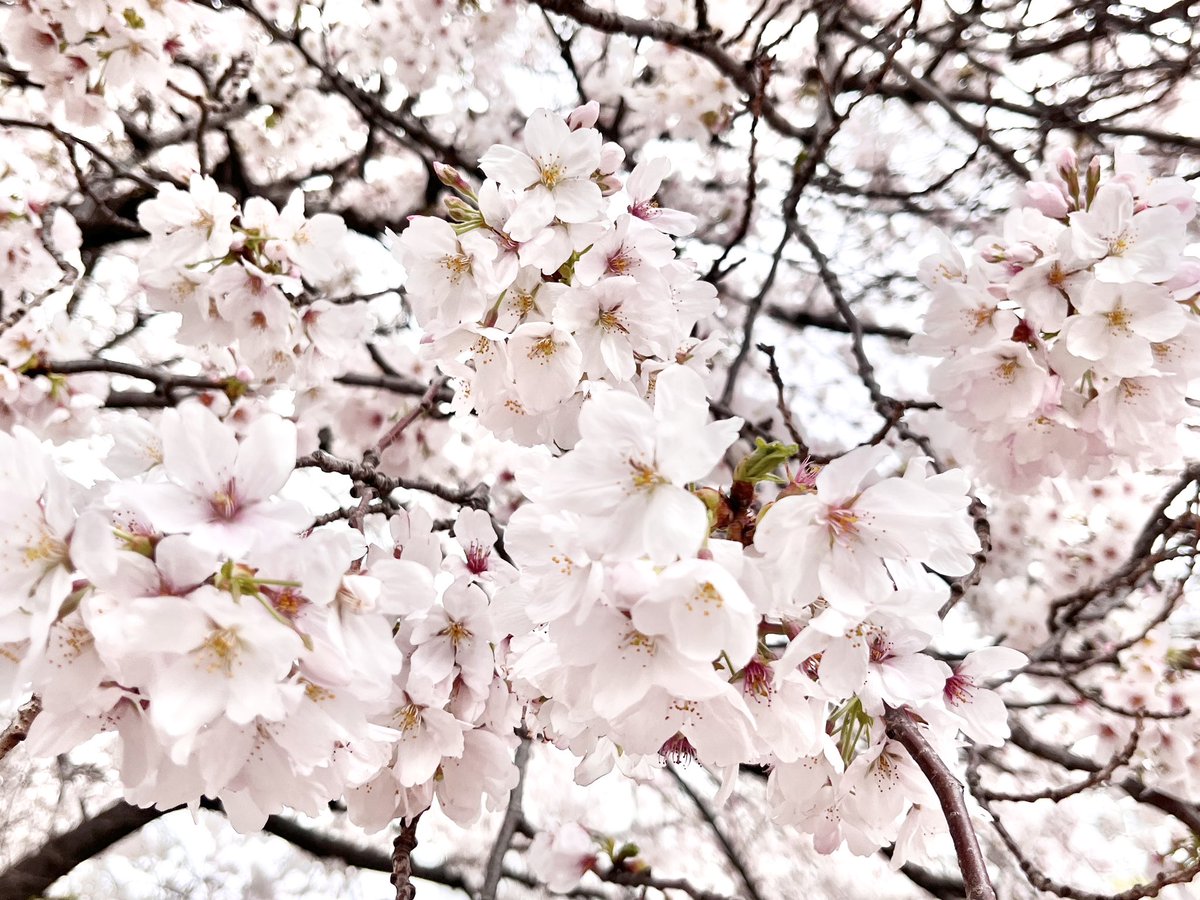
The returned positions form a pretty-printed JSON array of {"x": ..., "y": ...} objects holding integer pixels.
[
  {"x": 18, "y": 730},
  {"x": 949, "y": 791},
  {"x": 512, "y": 818},
  {"x": 402, "y": 867}
]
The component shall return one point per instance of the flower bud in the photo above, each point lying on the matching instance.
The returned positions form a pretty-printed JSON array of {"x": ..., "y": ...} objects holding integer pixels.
[{"x": 584, "y": 116}]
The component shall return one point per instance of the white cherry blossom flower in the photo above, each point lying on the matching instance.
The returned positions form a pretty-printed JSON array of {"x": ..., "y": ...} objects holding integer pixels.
[
  {"x": 1128, "y": 245},
  {"x": 629, "y": 469},
  {"x": 980, "y": 712},
  {"x": 552, "y": 178},
  {"x": 220, "y": 492},
  {"x": 1118, "y": 323}
]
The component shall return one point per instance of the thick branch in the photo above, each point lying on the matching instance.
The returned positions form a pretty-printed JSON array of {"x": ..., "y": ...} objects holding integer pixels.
[
  {"x": 35, "y": 873},
  {"x": 949, "y": 792}
]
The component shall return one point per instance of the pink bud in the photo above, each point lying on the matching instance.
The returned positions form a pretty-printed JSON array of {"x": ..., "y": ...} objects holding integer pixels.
[
  {"x": 584, "y": 116},
  {"x": 1065, "y": 160},
  {"x": 1047, "y": 199}
]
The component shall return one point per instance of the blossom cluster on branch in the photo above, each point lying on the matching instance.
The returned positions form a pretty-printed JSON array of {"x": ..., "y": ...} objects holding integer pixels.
[{"x": 1070, "y": 338}]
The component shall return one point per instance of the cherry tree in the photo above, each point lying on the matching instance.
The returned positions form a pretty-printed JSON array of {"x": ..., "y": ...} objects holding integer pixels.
[{"x": 529, "y": 428}]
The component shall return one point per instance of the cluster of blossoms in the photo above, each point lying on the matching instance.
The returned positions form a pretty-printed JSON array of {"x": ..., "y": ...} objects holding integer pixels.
[
  {"x": 652, "y": 620},
  {"x": 1069, "y": 340},
  {"x": 92, "y": 56},
  {"x": 661, "y": 622},
  {"x": 237, "y": 652},
  {"x": 242, "y": 279},
  {"x": 552, "y": 280}
]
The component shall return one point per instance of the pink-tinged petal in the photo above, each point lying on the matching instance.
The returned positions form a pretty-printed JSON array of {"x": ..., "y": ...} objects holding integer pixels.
[
  {"x": 690, "y": 456},
  {"x": 985, "y": 718},
  {"x": 617, "y": 355},
  {"x": 168, "y": 507},
  {"x": 912, "y": 679},
  {"x": 673, "y": 221},
  {"x": 1162, "y": 323},
  {"x": 407, "y": 587},
  {"x": 545, "y": 134},
  {"x": 198, "y": 449},
  {"x": 265, "y": 459},
  {"x": 510, "y": 167},
  {"x": 535, "y": 210},
  {"x": 576, "y": 200},
  {"x": 615, "y": 419},
  {"x": 433, "y": 661},
  {"x": 254, "y": 526},
  {"x": 183, "y": 566},
  {"x": 787, "y": 526},
  {"x": 843, "y": 668},
  {"x": 185, "y": 700},
  {"x": 646, "y": 178},
  {"x": 1088, "y": 337},
  {"x": 679, "y": 393},
  {"x": 426, "y": 236},
  {"x": 982, "y": 664},
  {"x": 853, "y": 580},
  {"x": 465, "y": 600}
]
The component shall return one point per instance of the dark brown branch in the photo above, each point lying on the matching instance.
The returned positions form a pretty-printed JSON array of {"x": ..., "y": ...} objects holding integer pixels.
[
  {"x": 744, "y": 74},
  {"x": 476, "y": 497},
  {"x": 402, "y": 867},
  {"x": 949, "y": 791},
  {"x": 803, "y": 319},
  {"x": 781, "y": 401},
  {"x": 33, "y": 875},
  {"x": 644, "y": 879},
  {"x": 18, "y": 729},
  {"x": 1187, "y": 813},
  {"x": 1101, "y": 775}
]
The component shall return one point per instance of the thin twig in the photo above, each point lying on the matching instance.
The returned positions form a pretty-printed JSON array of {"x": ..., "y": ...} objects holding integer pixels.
[
  {"x": 731, "y": 853},
  {"x": 18, "y": 730},
  {"x": 494, "y": 870}
]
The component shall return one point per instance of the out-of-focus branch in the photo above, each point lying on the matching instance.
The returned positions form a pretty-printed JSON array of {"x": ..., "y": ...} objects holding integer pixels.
[
  {"x": 35, "y": 873},
  {"x": 1187, "y": 813},
  {"x": 700, "y": 42},
  {"x": 727, "y": 848}
]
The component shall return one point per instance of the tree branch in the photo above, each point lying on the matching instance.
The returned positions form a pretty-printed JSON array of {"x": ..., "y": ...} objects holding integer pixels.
[
  {"x": 494, "y": 870},
  {"x": 18, "y": 730},
  {"x": 949, "y": 791}
]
